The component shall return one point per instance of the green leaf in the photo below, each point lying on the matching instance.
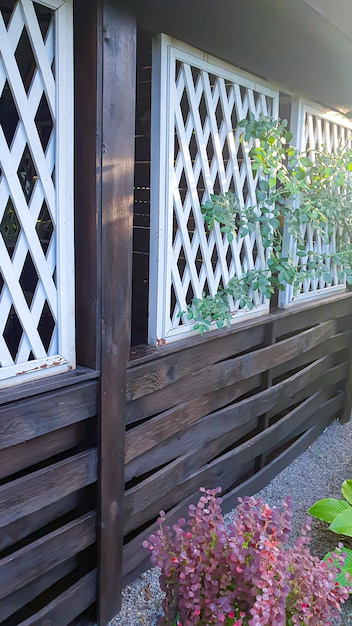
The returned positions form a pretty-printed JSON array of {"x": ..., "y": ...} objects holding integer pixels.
[
  {"x": 306, "y": 161},
  {"x": 328, "y": 509},
  {"x": 342, "y": 524},
  {"x": 263, "y": 185},
  {"x": 272, "y": 182},
  {"x": 300, "y": 174},
  {"x": 346, "y": 490},
  {"x": 261, "y": 195}
]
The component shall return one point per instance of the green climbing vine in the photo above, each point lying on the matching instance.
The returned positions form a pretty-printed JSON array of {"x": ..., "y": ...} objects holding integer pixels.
[{"x": 294, "y": 189}]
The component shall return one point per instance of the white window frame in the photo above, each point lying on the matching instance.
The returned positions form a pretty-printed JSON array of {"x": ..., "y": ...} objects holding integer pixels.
[
  {"x": 64, "y": 360},
  {"x": 301, "y": 108},
  {"x": 165, "y": 53}
]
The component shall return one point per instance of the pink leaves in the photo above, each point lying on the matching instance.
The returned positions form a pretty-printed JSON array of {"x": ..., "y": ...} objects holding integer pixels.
[{"x": 243, "y": 573}]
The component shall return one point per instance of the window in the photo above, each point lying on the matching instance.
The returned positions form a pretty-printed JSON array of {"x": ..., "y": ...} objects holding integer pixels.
[
  {"x": 197, "y": 103},
  {"x": 36, "y": 190},
  {"x": 314, "y": 128}
]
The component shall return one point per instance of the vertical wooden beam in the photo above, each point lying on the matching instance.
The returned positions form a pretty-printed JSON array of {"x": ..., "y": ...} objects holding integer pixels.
[{"x": 117, "y": 171}]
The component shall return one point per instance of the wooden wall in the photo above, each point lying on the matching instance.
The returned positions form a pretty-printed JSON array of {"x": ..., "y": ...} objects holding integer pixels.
[
  {"x": 48, "y": 501},
  {"x": 231, "y": 409}
]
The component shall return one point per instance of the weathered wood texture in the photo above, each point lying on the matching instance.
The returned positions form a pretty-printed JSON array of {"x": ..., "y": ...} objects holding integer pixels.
[
  {"x": 48, "y": 501},
  {"x": 118, "y": 52},
  {"x": 229, "y": 409}
]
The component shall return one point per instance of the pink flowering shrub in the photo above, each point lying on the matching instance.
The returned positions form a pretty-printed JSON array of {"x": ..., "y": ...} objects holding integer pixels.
[{"x": 243, "y": 573}]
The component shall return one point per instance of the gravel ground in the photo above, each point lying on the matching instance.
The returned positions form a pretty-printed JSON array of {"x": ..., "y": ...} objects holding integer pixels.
[{"x": 317, "y": 473}]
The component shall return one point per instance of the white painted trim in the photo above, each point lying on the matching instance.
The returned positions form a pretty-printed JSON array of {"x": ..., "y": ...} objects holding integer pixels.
[
  {"x": 241, "y": 315},
  {"x": 32, "y": 370},
  {"x": 52, "y": 4},
  {"x": 64, "y": 182},
  {"x": 159, "y": 198},
  {"x": 190, "y": 55}
]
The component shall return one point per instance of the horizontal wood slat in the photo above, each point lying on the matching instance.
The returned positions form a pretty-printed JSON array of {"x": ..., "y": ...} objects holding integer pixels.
[
  {"x": 334, "y": 344},
  {"x": 28, "y": 563},
  {"x": 264, "y": 476},
  {"x": 152, "y": 444},
  {"x": 20, "y": 598},
  {"x": 152, "y": 433},
  {"x": 183, "y": 477},
  {"x": 230, "y": 371},
  {"x": 49, "y": 412},
  {"x": 25, "y": 526},
  {"x": 41, "y": 488},
  {"x": 68, "y": 605},
  {"x": 44, "y": 447},
  {"x": 148, "y": 378}
]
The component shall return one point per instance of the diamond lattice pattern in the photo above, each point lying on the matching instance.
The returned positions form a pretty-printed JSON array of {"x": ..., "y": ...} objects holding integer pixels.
[
  {"x": 209, "y": 158},
  {"x": 28, "y": 298},
  {"x": 318, "y": 131}
]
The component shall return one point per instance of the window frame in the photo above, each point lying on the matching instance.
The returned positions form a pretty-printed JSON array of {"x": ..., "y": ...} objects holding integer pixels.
[
  {"x": 165, "y": 52},
  {"x": 303, "y": 113},
  {"x": 65, "y": 359}
]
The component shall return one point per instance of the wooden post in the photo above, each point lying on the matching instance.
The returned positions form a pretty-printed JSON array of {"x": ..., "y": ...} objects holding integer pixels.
[{"x": 118, "y": 47}]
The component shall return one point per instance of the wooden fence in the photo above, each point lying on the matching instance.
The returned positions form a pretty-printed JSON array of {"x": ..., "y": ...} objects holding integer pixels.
[
  {"x": 231, "y": 409},
  {"x": 48, "y": 501}
]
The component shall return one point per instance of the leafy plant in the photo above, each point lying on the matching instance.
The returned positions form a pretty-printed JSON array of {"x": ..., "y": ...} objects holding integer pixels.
[
  {"x": 338, "y": 514},
  {"x": 243, "y": 573},
  {"x": 310, "y": 194}
]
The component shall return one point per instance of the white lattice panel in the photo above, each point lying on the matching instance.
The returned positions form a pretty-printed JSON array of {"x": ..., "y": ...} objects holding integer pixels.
[
  {"x": 315, "y": 129},
  {"x": 35, "y": 190},
  {"x": 197, "y": 103}
]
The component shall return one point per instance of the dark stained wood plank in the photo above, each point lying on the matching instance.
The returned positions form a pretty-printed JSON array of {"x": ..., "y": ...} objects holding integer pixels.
[
  {"x": 181, "y": 477},
  {"x": 229, "y": 372},
  {"x": 314, "y": 312},
  {"x": 34, "y": 560},
  {"x": 333, "y": 345},
  {"x": 152, "y": 433},
  {"x": 41, "y": 488},
  {"x": 32, "y": 418},
  {"x": 26, "y": 454},
  {"x": 264, "y": 476},
  {"x": 154, "y": 447},
  {"x": 46, "y": 385},
  {"x": 116, "y": 88},
  {"x": 144, "y": 379},
  {"x": 20, "y": 598},
  {"x": 23, "y": 527},
  {"x": 68, "y": 605}
]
